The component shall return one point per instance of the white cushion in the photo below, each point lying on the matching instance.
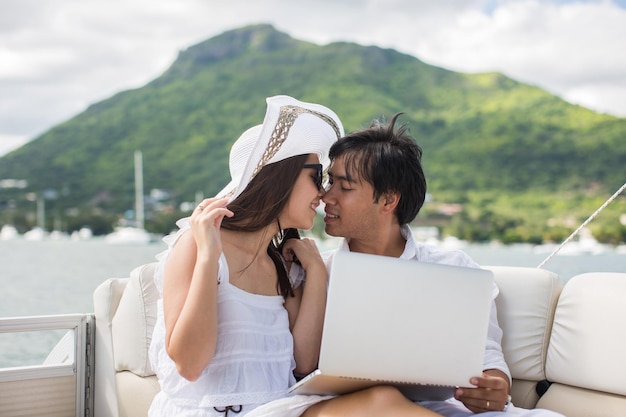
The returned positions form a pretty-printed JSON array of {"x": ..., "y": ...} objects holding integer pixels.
[
  {"x": 135, "y": 394},
  {"x": 106, "y": 298},
  {"x": 134, "y": 321},
  {"x": 579, "y": 402},
  {"x": 588, "y": 341},
  {"x": 526, "y": 307}
]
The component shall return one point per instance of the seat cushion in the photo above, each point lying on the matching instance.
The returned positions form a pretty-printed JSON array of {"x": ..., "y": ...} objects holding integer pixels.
[
  {"x": 106, "y": 299},
  {"x": 524, "y": 393},
  {"x": 135, "y": 393},
  {"x": 526, "y": 306},
  {"x": 134, "y": 321},
  {"x": 588, "y": 341},
  {"x": 579, "y": 402}
]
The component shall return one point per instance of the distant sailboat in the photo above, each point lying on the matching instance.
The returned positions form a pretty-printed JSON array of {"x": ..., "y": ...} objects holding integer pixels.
[
  {"x": 84, "y": 233},
  {"x": 8, "y": 232},
  {"x": 133, "y": 234}
]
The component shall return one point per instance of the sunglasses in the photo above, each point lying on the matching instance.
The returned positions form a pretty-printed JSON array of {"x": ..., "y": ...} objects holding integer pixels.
[{"x": 320, "y": 174}]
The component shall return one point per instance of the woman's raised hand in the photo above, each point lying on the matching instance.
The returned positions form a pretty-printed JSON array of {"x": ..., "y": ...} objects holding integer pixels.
[
  {"x": 205, "y": 222},
  {"x": 305, "y": 251}
]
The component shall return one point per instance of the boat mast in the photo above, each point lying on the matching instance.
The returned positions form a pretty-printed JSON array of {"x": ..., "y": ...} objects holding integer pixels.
[
  {"x": 139, "y": 215},
  {"x": 41, "y": 212}
]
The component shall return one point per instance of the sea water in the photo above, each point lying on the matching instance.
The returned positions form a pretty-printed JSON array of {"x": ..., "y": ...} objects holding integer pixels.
[
  {"x": 60, "y": 276},
  {"x": 56, "y": 277}
]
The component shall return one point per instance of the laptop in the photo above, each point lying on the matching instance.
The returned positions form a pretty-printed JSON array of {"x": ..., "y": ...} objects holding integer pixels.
[{"x": 419, "y": 326}]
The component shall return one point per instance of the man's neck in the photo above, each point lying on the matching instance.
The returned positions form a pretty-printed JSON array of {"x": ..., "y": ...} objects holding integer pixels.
[{"x": 389, "y": 242}]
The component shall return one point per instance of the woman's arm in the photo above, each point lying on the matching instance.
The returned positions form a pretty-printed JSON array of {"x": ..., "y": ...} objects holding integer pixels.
[
  {"x": 306, "y": 309},
  {"x": 190, "y": 291}
]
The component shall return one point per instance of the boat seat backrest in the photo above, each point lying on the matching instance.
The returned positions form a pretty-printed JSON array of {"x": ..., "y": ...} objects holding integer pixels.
[
  {"x": 125, "y": 310},
  {"x": 585, "y": 361},
  {"x": 134, "y": 321},
  {"x": 573, "y": 336},
  {"x": 526, "y": 306}
]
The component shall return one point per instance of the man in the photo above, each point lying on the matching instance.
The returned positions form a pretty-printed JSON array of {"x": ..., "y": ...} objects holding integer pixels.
[{"x": 377, "y": 187}]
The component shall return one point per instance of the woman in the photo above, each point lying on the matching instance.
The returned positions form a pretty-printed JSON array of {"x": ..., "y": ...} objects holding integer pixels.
[{"x": 234, "y": 322}]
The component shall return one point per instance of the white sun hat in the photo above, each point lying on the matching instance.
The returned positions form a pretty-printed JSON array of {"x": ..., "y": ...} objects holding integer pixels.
[{"x": 291, "y": 127}]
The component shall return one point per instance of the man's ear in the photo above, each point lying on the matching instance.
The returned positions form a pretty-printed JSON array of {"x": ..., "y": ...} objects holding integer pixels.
[{"x": 390, "y": 202}]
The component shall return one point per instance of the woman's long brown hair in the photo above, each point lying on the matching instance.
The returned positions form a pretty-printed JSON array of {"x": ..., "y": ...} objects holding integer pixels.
[{"x": 260, "y": 204}]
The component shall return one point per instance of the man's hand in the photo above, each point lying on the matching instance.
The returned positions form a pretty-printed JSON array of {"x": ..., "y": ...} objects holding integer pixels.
[{"x": 490, "y": 392}]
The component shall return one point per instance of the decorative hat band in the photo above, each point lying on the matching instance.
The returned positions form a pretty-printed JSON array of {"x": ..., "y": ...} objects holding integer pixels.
[{"x": 286, "y": 119}]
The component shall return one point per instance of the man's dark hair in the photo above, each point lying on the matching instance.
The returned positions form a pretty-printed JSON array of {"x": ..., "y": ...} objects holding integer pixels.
[{"x": 390, "y": 160}]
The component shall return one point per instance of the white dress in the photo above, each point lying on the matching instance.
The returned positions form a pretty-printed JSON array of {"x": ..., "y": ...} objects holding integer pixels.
[{"x": 253, "y": 362}]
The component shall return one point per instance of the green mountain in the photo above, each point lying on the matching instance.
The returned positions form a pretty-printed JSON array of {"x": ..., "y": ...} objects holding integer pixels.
[{"x": 479, "y": 132}]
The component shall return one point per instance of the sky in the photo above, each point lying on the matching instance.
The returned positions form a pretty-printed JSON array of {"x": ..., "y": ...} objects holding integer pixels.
[{"x": 59, "y": 56}]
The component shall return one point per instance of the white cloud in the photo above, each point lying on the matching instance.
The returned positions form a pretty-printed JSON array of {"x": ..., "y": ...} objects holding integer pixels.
[
  {"x": 59, "y": 56},
  {"x": 563, "y": 48}
]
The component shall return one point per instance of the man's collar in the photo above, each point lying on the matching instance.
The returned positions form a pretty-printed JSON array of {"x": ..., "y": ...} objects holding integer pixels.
[
  {"x": 410, "y": 249},
  {"x": 344, "y": 245}
]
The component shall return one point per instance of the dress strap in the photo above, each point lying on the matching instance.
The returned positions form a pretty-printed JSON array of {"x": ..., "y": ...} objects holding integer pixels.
[
  {"x": 222, "y": 272},
  {"x": 236, "y": 409}
]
